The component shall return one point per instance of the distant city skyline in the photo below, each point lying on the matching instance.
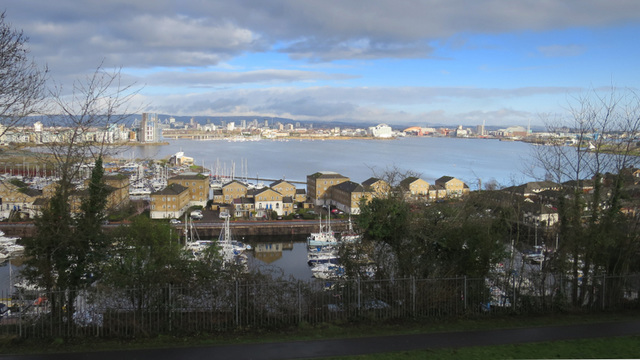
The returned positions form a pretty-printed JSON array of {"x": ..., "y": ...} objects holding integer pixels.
[{"x": 421, "y": 63}]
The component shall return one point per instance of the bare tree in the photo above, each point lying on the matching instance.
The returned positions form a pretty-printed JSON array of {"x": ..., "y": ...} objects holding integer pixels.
[
  {"x": 83, "y": 116},
  {"x": 22, "y": 82},
  {"x": 62, "y": 249},
  {"x": 600, "y": 152}
]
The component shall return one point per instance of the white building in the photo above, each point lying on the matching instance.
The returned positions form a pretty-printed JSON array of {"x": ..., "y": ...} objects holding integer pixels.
[
  {"x": 381, "y": 131},
  {"x": 149, "y": 130}
]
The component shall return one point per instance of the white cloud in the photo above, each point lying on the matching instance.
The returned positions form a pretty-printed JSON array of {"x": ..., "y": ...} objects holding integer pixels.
[
  {"x": 215, "y": 79},
  {"x": 562, "y": 50},
  {"x": 356, "y": 104}
]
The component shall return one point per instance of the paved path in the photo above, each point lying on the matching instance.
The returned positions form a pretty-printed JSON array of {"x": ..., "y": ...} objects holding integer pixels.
[{"x": 369, "y": 345}]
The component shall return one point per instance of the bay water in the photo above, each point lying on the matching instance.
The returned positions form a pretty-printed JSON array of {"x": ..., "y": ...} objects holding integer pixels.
[{"x": 474, "y": 161}]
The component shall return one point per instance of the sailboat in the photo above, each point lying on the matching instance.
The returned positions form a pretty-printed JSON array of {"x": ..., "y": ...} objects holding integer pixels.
[
  {"x": 193, "y": 244},
  {"x": 231, "y": 249},
  {"x": 322, "y": 237},
  {"x": 350, "y": 236}
]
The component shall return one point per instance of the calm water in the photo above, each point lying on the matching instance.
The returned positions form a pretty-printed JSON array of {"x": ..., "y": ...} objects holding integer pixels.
[{"x": 467, "y": 159}]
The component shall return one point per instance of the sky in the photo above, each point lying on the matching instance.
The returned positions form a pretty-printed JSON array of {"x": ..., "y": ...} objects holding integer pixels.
[{"x": 403, "y": 62}]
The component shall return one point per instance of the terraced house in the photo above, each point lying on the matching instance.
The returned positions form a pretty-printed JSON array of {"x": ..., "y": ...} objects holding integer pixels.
[
  {"x": 267, "y": 199},
  {"x": 377, "y": 187},
  {"x": 283, "y": 187},
  {"x": 454, "y": 187},
  {"x": 415, "y": 188},
  {"x": 233, "y": 190}
]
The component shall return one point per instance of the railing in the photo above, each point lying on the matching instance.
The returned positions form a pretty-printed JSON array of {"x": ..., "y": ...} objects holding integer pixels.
[{"x": 228, "y": 305}]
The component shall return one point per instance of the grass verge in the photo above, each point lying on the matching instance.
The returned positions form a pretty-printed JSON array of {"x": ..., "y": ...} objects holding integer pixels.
[{"x": 13, "y": 345}]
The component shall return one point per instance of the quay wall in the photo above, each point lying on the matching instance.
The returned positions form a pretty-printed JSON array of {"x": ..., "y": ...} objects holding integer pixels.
[{"x": 210, "y": 230}]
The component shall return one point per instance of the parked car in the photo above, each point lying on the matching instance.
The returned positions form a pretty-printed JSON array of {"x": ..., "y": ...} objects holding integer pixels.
[
  {"x": 197, "y": 214},
  {"x": 224, "y": 215},
  {"x": 175, "y": 221}
]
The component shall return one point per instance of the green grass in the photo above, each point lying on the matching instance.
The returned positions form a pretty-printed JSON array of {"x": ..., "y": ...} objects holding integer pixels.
[
  {"x": 311, "y": 332},
  {"x": 606, "y": 348}
]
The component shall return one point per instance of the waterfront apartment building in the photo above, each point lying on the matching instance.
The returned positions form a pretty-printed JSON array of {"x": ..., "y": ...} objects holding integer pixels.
[
  {"x": 170, "y": 202},
  {"x": 346, "y": 196},
  {"x": 283, "y": 187},
  {"x": 198, "y": 185},
  {"x": 267, "y": 199},
  {"x": 319, "y": 183}
]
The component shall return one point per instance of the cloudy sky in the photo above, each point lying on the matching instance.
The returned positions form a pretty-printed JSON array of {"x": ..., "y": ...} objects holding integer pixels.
[{"x": 413, "y": 62}]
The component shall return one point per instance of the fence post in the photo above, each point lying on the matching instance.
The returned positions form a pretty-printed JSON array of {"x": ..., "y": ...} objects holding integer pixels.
[
  {"x": 464, "y": 294},
  {"x": 22, "y": 307},
  {"x": 237, "y": 317},
  {"x": 359, "y": 293},
  {"x": 299, "y": 304},
  {"x": 413, "y": 291},
  {"x": 604, "y": 280},
  {"x": 515, "y": 302},
  {"x": 170, "y": 311}
]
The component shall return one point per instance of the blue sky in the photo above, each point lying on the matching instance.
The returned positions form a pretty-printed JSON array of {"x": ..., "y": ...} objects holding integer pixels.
[{"x": 414, "y": 62}]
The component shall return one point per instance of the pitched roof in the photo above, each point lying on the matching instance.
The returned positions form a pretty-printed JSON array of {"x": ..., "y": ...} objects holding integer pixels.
[
  {"x": 265, "y": 189},
  {"x": 370, "y": 181},
  {"x": 30, "y": 192},
  {"x": 40, "y": 201},
  {"x": 234, "y": 182},
  {"x": 171, "y": 189},
  {"x": 189, "y": 177},
  {"x": 408, "y": 181},
  {"x": 326, "y": 175},
  {"x": 349, "y": 187},
  {"x": 276, "y": 183},
  {"x": 445, "y": 179}
]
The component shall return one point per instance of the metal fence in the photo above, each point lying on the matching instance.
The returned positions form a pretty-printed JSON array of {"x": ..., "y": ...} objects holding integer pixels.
[{"x": 230, "y": 305}]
